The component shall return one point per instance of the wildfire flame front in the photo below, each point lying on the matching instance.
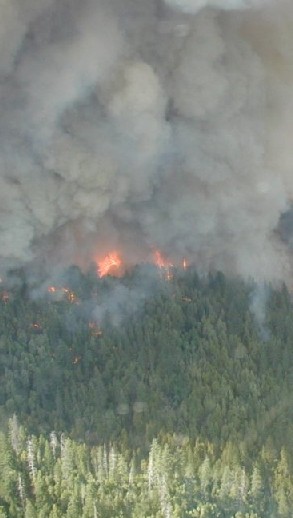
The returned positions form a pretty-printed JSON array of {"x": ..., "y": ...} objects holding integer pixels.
[{"x": 111, "y": 262}]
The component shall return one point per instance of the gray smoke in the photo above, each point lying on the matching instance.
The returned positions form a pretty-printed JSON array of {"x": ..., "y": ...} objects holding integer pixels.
[
  {"x": 258, "y": 307},
  {"x": 193, "y": 6},
  {"x": 133, "y": 125}
]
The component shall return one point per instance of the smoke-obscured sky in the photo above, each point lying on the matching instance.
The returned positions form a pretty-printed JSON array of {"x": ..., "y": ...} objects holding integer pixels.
[{"x": 136, "y": 124}]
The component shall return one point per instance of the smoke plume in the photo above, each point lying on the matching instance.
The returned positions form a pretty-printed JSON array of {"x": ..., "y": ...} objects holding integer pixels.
[{"x": 133, "y": 125}]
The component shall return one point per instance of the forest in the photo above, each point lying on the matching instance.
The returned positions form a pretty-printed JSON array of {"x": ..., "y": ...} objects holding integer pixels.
[{"x": 152, "y": 395}]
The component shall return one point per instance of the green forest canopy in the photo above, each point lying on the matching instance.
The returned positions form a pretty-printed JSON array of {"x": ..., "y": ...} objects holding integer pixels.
[{"x": 190, "y": 369}]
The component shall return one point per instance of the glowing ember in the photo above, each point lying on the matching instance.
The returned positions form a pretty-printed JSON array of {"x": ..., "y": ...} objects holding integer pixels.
[
  {"x": 70, "y": 295},
  {"x": 95, "y": 330},
  {"x": 169, "y": 274},
  {"x": 111, "y": 262},
  {"x": 5, "y": 297},
  {"x": 36, "y": 327},
  {"x": 64, "y": 292}
]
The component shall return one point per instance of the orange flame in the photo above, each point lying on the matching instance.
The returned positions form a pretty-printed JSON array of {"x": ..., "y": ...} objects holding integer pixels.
[
  {"x": 161, "y": 261},
  {"x": 185, "y": 264},
  {"x": 111, "y": 262},
  {"x": 164, "y": 265}
]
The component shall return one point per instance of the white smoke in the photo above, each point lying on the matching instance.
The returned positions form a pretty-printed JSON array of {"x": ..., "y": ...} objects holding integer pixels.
[{"x": 137, "y": 125}]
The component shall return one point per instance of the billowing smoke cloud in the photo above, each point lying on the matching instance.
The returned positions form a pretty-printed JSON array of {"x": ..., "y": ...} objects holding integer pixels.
[{"x": 146, "y": 124}]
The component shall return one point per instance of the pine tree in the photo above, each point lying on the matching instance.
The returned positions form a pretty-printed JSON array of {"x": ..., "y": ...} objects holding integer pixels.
[
  {"x": 256, "y": 486},
  {"x": 31, "y": 458},
  {"x": 283, "y": 487},
  {"x": 30, "y": 511},
  {"x": 205, "y": 476},
  {"x": 8, "y": 474},
  {"x": 16, "y": 434}
]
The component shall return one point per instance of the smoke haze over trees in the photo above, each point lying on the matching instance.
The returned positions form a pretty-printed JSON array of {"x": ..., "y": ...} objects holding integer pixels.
[{"x": 138, "y": 124}]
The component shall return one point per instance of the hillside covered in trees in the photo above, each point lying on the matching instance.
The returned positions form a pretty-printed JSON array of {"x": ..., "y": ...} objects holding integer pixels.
[{"x": 146, "y": 397}]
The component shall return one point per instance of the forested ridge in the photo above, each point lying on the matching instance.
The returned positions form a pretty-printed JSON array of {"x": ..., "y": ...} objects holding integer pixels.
[{"x": 178, "y": 405}]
